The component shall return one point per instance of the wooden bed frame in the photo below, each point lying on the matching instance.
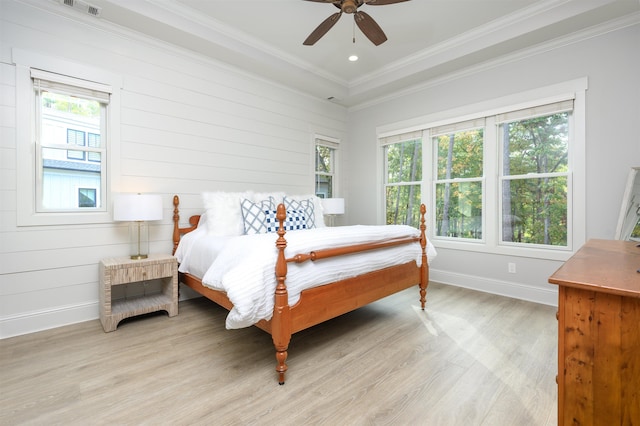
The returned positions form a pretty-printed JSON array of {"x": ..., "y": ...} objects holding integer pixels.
[{"x": 322, "y": 303}]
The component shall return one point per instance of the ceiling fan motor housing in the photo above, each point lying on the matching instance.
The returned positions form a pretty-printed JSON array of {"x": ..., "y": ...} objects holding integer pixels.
[{"x": 349, "y": 6}]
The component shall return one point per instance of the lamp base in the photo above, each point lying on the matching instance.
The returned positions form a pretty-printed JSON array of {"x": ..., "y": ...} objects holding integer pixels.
[{"x": 138, "y": 240}]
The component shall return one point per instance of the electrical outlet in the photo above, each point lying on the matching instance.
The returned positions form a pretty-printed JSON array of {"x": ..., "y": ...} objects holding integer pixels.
[{"x": 511, "y": 267}]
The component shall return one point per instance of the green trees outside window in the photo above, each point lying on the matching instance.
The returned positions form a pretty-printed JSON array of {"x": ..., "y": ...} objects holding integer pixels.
[
  {"x": 535, "y": 166},
  {"x": 403, "y": 165},
  {"x": 524, "y": 183}
]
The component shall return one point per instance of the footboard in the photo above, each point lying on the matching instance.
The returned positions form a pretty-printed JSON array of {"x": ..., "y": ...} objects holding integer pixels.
[{"x": 331, "y": 300}]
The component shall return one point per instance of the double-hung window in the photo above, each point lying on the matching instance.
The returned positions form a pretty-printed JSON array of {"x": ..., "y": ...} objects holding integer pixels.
[
  {"x": 459, "y": 172},
  {"x": 326, "y": 153},
  {"x": 67, "y": 127},
  {"x": 402, "y": 178},
  {"x": 534, "y": 174},
  {"x": 69, "y": 124}
]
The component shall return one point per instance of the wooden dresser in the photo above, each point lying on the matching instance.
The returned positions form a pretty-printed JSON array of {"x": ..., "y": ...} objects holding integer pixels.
[{"x": 599, "y": 335}]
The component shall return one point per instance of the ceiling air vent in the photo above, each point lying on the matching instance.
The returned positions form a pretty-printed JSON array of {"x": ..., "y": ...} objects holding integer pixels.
[{"x": 83, "y": 7}]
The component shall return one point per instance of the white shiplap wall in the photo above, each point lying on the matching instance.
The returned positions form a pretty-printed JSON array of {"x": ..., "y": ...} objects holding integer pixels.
[{"x": 187, "y": 125}]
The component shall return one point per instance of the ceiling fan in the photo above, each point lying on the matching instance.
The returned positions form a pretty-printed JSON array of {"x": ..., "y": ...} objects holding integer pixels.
[{"x": 365, "y": 22}]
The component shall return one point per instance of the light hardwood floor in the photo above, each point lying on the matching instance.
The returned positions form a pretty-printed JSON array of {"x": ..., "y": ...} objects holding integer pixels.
[{"x": 470, "y": 359}]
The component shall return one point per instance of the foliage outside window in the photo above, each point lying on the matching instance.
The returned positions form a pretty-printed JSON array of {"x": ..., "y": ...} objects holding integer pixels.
[
  {"x": 68, "y": 115},
  {"x": 325, "y": 168},
  {"x": 403, "y": 180},
  {"x": 458, "y": 183},
  {"x": 535, "y": 172}
]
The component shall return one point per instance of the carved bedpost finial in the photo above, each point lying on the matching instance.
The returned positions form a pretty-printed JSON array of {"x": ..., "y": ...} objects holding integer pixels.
[{"x": 176, "y": 223}]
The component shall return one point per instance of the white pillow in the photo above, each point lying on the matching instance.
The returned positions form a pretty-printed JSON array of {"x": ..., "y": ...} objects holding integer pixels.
[{"x": 224, "y": 216}]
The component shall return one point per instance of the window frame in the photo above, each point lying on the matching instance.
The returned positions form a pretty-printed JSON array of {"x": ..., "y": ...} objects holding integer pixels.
[
  {"x": 576, "y": 208},
  {"x": 27, "y": 178}
]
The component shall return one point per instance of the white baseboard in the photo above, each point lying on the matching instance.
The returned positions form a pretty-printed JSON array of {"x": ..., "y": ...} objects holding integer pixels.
[
  {"x": 66, "y": 315},
  {"x": 33, "y": 322},
  {"x": 503, "y": 288}
]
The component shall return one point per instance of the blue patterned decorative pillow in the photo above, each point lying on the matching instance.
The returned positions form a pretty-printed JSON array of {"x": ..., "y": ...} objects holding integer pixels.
[
  {"x": 295, "y": 220},
  {"x": 303, "y": 206},
  {"x": 255, "y": 215}
]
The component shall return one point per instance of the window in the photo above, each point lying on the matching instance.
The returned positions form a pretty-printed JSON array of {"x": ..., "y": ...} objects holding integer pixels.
[
  {"x": 325, "y": 152},
  {"x": 459, "y": 179},
  {"x": 535, "y": 175},
  {"x": 403, "y": 178},
  {"x": 87, "y": 197},
  {"x": 67, "y": 135},
  {"x": 65, "y": 113},
  {"x": 505, "y": 177}
]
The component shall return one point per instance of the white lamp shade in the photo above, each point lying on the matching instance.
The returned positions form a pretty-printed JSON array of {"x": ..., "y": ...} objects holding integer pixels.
[
  {"x": 137, "y": 207},
  {"x": 332, "y": 205}
]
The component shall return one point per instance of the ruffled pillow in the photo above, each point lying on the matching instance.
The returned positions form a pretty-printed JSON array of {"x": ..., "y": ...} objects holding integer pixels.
[{"x": 224, "y": 216}]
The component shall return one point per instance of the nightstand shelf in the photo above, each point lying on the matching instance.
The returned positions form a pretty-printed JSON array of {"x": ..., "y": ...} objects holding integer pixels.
[{"x": 123, "y": 271}]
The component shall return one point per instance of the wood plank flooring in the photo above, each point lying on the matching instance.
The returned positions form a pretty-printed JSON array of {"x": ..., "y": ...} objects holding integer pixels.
[{"x": 470, "y": 359}]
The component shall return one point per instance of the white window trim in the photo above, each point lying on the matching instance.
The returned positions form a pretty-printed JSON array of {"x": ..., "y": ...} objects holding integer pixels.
[
  {"x": 25, "y": 148},
  {"x": 573, "y": 89}
]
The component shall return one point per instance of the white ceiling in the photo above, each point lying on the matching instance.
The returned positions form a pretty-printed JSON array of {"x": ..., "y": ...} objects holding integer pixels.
[{"x": 426, "y": 38}]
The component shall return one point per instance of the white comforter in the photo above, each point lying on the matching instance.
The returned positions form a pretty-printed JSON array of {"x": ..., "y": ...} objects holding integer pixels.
[{"x": 244, "y": 266}]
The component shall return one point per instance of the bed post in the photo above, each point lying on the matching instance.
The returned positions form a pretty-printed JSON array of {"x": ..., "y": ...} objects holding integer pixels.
[
  {"x": 176, "y": 221},
  {"x": 424, "y": 268},
  {"x": 281, "y": 320}
]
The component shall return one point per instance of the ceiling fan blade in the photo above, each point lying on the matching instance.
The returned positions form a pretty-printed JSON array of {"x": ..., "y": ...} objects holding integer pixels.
[
  {"x": 322, "y": 29},
  {"x": 378, "y": 2},
  {"x": 370, "y": 28}
]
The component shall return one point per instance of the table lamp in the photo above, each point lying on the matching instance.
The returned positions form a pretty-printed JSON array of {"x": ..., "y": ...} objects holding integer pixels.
[
  {"x": 138, "y": 209},
  {"x": 332, "y": 207}
]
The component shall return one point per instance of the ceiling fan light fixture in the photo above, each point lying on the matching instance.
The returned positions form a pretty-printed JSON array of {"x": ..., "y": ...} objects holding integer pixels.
[{"x": 353, "y": 58}]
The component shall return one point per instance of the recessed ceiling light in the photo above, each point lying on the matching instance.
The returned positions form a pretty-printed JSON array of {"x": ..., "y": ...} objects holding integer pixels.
[{"x": 353, "y": 58}]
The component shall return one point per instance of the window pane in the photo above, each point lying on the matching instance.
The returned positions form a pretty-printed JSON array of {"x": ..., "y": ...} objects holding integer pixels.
[
  {"x": 459, "y": 209},
  {"x": 324, "y": 159},
  {"x": 69, "y": 120},
  {"x": 460, "y": 154},
  {"x": 536, "y": 145},
  {"x": 325, "y": 170},
  {"x": 535, "y": 211},
  {"x": 324, "y": 186},
  {"x": 404, "y": 161},
  {"x": 403, "y": 205},
  {"x": 93, "y": 141}
]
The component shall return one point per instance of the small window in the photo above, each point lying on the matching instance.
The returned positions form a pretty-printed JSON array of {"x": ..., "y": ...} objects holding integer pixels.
[
  {"x": 87, "y": 197},
  {"x": 68, "y": 115},
  {"x": 325, "y": 173},
  {"x": 75, "y": 137}
]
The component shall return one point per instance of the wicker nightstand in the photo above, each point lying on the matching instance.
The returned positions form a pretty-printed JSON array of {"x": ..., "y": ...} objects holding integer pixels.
[{"x": 123, "y": 270}]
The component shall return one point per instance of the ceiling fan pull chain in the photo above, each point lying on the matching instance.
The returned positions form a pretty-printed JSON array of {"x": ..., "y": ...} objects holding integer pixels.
[{"x": 354, "y": 32}]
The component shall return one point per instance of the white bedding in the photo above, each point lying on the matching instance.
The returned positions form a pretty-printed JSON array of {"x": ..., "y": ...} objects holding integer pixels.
[{"x": 244, "y": 266}]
